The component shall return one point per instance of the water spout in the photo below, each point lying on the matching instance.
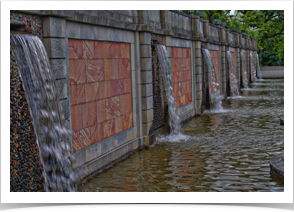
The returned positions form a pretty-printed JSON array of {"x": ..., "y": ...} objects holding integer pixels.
[
  {"x": 253, "y": 67},
  {"x": 216, "y": 94},
  {"x": 46, "y": 110},
  {"x": 233, "y": 79},
  {"x": 244, "y": 72},
  {"x": 258, "y": 67}
]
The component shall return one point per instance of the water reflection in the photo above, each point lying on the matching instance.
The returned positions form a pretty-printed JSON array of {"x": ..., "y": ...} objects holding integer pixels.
[{"x": 230, "y": 151}]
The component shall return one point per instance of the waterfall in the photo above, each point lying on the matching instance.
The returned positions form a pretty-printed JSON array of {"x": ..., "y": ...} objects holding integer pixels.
[
  {"x": 174, "y": 120},
  {"x": 233, "y": 79},
  {"x": 244, "y": 72},
  {"x": 46, "y": 110},
  {"x": 253, "y": 67},
  {"x": 258, "y": 68},
  {"x": 216, "y": 94}
]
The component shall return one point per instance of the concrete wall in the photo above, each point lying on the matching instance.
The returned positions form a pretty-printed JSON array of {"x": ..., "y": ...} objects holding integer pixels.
[{"x": 134, "y": 29}]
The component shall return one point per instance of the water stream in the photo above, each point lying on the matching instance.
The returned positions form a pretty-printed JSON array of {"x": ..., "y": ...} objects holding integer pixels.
[
  {"x": 46, "y": 110},
  {"x": 253, "y": 67},
  {"x": 233, "y": 79},
  {"x": 258, "y": 67},
  {"x": 216, "y": 94},
  {"x": 244, "y": 72}
]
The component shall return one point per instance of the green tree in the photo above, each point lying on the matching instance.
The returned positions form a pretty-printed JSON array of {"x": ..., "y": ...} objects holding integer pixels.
[{"x": 266, "y": 27}]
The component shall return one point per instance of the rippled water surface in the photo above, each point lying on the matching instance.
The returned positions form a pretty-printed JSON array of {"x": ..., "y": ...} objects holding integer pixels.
[{"x": 228, "y": 150}]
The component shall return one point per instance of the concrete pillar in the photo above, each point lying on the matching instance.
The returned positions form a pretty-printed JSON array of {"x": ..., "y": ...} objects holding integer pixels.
[
  {"x": 196, "y": 22},
  {"x": 56, "y": 45},
  {"x": 146, "y": 88},
  {"x": 198, "y": 77},
  {"x": 206, "y": 28},
  {"x": 164, "y": 19}
]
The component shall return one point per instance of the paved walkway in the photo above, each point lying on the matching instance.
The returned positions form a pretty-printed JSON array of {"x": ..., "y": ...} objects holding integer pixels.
[{"x": 272, "y": 72}]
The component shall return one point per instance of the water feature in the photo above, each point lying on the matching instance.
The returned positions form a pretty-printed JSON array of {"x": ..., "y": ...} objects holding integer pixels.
[
  {"x": 229, "y": 151},
  {"x": 46, "y": 110},
  {"x": 244, "y": 72},
  {"x": 233, "y": 80},
  {"x": 253, "y": 68},
  {"x": 258, "y": 67},
  {"x": 213, "y": 79}
]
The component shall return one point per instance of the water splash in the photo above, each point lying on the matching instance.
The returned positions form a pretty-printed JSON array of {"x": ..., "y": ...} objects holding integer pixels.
[
  {"x": 233, "y": 79},
  {"x": 216, "y": 94},
  {"x": 258, "y": 67},
  {"x": 46, "y": 110},
  {"x": 174, "y": 120},
  {"x": 244, "y": 72},
  {"x": 253, "y": 67}
]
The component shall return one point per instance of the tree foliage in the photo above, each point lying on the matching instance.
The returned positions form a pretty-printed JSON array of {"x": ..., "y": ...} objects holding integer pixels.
[{"x": 267, "y": 27}]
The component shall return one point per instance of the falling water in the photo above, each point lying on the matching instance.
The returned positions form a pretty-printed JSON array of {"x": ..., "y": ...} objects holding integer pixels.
[
  {"x": 174, "y": 120},
  {"x": 252, "y": 65},
  {"x": 258, "y": 68},
  {"x": 47, "y": 112},
  {"x": 233, "y": 79},
  {"x": 244, "y": 72},
  {"x": 216, "y": 94}
]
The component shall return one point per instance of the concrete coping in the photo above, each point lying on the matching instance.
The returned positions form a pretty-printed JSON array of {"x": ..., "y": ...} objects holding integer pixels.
[{"x": 277, "y": 165}]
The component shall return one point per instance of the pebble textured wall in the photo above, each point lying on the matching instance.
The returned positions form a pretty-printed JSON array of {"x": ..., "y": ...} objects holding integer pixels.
[
  {"x": 181, "y": 75},
  {"x": 100, "y": 90},
  {"x": 25, "y": 165}
]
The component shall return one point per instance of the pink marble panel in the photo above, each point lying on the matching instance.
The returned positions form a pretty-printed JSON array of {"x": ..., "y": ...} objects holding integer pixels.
[
  {"x": 117, "y": 87},
  {"x": 76, "y": 117},
  {"x": 89, "y": 114},
  {"x": 77, "y": 94},
  {"x": 112, "y": 107},
  {"x": 77, "y": 71},
  {"x": 127, "y": 85},
  {"x": 95, "y": 70},
  {"x": 104, "y": 89},
  {"x": 91, "y": 91},
  {"x": 96, "y": 133},
  {"x": 125, "y": 102},
  {"x": 88, "y": 49},
  {"x": 111, "y": 69},
  {"x": 124, "y": 50},
  {"x": 101, "y": 110},
  {"x": 81, "y": 139},
  {"x": 101, "y": 49},
  {"x": 75, "y": 49},
  {"x": 127, "y": 121},
  {"x": 108, "y": 128},
  {"x": 124, "y": 68},
  {"x": 114, "y": 50},
  {"x": 118, "y": 124}
]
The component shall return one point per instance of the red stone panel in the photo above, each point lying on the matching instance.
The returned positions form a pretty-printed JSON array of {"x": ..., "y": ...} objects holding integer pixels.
[
  {"x": 76, "y": 117},
  {"x": 127, "y": 85},
  {"x": 124, "y": 68},
  {"x": 127, "y": 121},
  {"x": 89, "y": 114},
  {"x": 95, "y": 70},
  {"x": 104, "y": 89},
  {"x": 101, "y": 110},
  {"x": 114, "y": 50},
  {"x": 96, "y": 133},
  {"x": 181, "y": 74},
  {"x": 119, "y": 124},
  {"x": 75, "y": 49},
  {"x": 233, "y": 56},
  {"x": 111, "y": 69},
  {"x": 125, "y": 102},
  {"x": 125, "y": 50},
  {"x": 77, "y": 71},
  {"x": 101, "y": 49},
  {"x": 109, "y": 128},
  {"x": 81, "y": 139},
  {"x": 100, "y": 90},
  {"x": 77, "y": 94},
  {"x": 112, "y": 107},
  {"x": 117, "y": 87},
  {"x": 88, "y": 49}
]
